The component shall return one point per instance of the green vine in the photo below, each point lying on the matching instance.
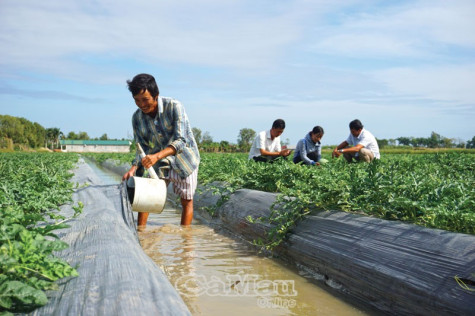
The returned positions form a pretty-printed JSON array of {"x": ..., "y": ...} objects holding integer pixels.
[{"x": 33, "y": 187}]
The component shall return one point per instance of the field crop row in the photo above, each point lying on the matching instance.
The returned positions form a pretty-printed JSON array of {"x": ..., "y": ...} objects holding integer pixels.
[
  {"x": 435, "y": 190},
  {"x": 432, "y": 190},
  {"x": 32, "y": 187}
]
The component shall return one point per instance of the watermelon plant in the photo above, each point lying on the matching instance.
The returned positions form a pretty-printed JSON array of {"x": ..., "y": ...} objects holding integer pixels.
[
  {"x": 434, "y": 190},
  {"x": 32, "y": 187},
  {"x": 117, "y": 157}
]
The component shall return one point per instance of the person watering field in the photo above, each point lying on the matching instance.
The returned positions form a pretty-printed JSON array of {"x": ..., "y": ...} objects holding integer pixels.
[
  {"x": 266, "y": 146},
  {"x": 364, "y": 145},
  {"x": 309, "y": 149},
  {"x": 161, "y": 127}
]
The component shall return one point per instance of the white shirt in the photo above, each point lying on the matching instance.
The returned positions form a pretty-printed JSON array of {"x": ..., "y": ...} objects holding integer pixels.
[
  {"x": 263, "y": 140},
  {"x": 366, "y": 139}
]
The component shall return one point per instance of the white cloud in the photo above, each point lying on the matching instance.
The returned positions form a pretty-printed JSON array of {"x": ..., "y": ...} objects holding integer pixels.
[
  {"x": 206, "y": 33},
  {"x": 449, "y": 22},
  {"x": 366, "y": 44},
  {"x": 418, "y": 29},
  {"x": 453, "y": 84}
]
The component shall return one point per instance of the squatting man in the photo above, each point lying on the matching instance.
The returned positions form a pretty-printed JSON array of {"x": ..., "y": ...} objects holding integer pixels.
[
  {"x": 161, "y": 127},
  {"x": 365, "y": 147},
  {"x": 266, "y": 146}
]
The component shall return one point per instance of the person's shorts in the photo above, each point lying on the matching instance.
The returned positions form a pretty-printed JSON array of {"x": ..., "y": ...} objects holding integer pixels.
[{"x": 184, "y": 187}]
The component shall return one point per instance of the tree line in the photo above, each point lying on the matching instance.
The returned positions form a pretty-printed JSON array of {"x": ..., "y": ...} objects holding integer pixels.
[
  {"x": 433, "y": 141},
  {"x": 20, "y": 133},
  {"x": 246, "y": 137},
  {"x": 205, "y": 141}
]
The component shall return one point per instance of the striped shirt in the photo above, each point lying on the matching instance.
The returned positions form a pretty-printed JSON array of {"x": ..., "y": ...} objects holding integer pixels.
[{"x": 170, "y": 127}]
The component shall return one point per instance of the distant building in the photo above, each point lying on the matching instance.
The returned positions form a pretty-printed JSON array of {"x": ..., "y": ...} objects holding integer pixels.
[{"x": 95, "y": 146}]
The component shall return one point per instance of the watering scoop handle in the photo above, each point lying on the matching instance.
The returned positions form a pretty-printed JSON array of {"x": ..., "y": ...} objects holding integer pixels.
[{"x": 151, "y": 171}]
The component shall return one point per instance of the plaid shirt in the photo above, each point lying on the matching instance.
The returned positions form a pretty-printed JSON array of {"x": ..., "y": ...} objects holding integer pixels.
[{"x": 170, "y": 127}]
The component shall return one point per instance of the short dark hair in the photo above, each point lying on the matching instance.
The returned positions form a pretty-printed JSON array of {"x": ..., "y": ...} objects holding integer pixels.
[
  {"x": 141, "y": 83},
  {"x": 279, "y": 123},
  {"x": 356, "y": 125},
  {"x": 317, "y": 130}
]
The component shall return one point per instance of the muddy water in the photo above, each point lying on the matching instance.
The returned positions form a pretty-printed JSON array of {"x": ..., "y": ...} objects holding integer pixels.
[{"x": 218, "y": 275}]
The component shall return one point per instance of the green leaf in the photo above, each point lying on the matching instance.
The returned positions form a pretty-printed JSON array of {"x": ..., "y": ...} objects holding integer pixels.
[{"x": 16, "y": 291}]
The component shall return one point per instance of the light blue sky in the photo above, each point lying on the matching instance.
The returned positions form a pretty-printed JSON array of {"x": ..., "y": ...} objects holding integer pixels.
[{"x": 404, "y": 68}]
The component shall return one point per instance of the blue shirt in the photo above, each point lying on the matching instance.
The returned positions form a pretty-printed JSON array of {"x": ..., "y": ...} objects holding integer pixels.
[
  {"x": 170, "y": 127},
  {"x": 306, "y": 146}
]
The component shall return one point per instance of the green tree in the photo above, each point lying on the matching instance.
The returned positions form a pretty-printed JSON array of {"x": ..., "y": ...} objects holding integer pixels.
[
  {"x": 207, "y": 139},
  {"x": 197, "y": 134},
  {"x": 52, "y": 136},
  {"x": 382, "y": 142},
  {"x": 28, "y": 132},
  {"x": 79, "y": 136},
  {"x": 405, "y": 141},
  {"x": 21, "y": 131},
  {"x": 471, "y": 143},
  {"x": 83, "y": 136},
  {"x": 448, "y": 142},
  {"x": 72, "y": 135},
  {"x": 434, "y": 141},
  {"x": 103, "y": 137},
  {"x": 419, "y": 141},
  {"x": 245, "y": 138},
  {"x": 11, "y": 127},
  {"x": 460, "y": 143},
  {"x": 40, "y": 135},
  {"x": 224, "y": 146}
]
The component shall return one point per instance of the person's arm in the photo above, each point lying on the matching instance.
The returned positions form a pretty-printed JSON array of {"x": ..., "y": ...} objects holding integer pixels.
[
  {"x": 319, "y": 154},
  {"x": 136, "y": 161},
  {"x": 353, "y": 149},
  {"x": 336, "y": 152},
  {"x": 129, "y": 173},
  {"x": 150, "y": 160},
  {"x": 284, "y": 152},
  {"x": 340, "y": 149},
  {"x": 362, "y": 142},
  {"x": 303, "y": 153},
  {"x": 279, "y": 152}
]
